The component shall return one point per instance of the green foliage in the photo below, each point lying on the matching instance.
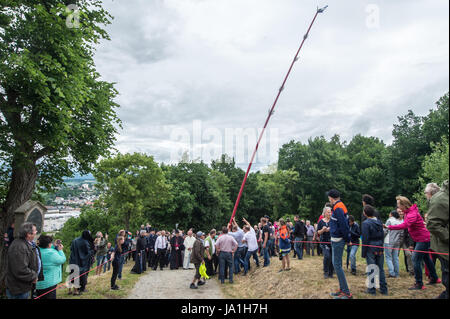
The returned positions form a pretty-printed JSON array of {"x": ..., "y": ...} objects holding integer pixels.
[
  {"x": 131, "y": 184},
  {"x": 435, "y": 169},
  {"x": 55, "y": 112}
]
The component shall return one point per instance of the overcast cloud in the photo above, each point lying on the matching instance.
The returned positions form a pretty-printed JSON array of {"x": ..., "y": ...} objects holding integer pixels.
[{"x": 221, "y": 63}]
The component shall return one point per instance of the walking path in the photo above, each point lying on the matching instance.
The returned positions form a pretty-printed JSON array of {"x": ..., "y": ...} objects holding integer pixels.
[{"x": 173, "y": 284}]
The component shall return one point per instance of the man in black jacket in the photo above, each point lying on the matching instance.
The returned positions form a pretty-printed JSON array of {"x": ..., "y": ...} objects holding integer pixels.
[
  {"x": 24, "y": 266},
  {"x": 355, "y": 233},
  {"x": 373, "y": 235},
  {"x": 141, "y": 244},
  {"x": 369, "y": 200},
  {"x": 299, "y": 235}
]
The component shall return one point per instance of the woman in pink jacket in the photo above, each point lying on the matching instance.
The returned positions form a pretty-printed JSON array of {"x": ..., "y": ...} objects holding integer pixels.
[{"x": 421, "y": 236}]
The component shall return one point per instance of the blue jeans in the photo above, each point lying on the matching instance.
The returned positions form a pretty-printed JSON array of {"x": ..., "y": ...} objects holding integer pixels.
[
  {"x": 271, "y": 245},
  {"x": 25, "y": 295},
  {"x": 377, "y": 260},
  {"x": 100, "y": 260},
  {"x": 225, "y": 260},
  {"x": 337, "y": 249},
  {"x": 327, "y": 260},
  {"x": 298, "y": 247},
  {"x": 417, "y": 259},
  {"x": 392, "y": 260},
  {"x": 266, "y": 256},
  {"x": 353, "y": 250},
  {"x": 247, "y": 259},
  {"x": 121, "y": 262},
  {"x": 310, "y": 246},
  {"x": 238, "y": 259}
]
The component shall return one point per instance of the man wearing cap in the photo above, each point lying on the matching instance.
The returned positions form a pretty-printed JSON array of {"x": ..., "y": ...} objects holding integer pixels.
[
  {"x": 340, "y": 235},
  {"x": 226, "y": 245},
  {"x": 197, "y": 259}
]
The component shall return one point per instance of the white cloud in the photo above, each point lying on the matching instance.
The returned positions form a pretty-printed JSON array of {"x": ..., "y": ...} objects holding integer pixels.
[{"x": 222, "y": 62}]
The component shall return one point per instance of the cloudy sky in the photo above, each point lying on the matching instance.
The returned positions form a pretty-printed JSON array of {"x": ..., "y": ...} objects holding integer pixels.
[{"x": 197, "y": 75}]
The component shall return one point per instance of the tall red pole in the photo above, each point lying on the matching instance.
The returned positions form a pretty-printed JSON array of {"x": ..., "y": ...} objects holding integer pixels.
[{"x": 271, "y": 112}]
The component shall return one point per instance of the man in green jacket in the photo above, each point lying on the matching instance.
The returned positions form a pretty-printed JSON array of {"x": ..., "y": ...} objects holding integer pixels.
[
  {"x": 437, "y": 224},
  {"x": 197, "y": 259}
]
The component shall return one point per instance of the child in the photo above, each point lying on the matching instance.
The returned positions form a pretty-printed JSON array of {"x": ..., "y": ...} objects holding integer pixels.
[
  {"x": 285, "y": 246},
  {"x": 373, "y": 234}
]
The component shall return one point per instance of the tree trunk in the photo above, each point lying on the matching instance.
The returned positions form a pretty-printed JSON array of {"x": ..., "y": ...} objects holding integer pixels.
[{"x": 21, "y": 187}]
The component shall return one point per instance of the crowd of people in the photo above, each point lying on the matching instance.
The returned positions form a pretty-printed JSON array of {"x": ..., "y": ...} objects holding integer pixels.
[{"x": 34, "y": 269}]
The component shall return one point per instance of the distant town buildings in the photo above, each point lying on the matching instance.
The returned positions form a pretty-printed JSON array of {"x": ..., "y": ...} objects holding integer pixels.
[
  {"x": 56, "y": 217},
  {"x": 77, "y": 194}
]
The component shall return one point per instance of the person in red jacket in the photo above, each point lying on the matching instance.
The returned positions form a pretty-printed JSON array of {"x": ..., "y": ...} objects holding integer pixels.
[{"x": 421, "y": 236}]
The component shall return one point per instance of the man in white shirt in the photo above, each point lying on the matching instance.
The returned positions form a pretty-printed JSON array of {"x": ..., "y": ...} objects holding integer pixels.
[
  {"x": 252, "y": 244},
  {"x": 188, "y": 245},
  {"x": 160, "y": 248}
]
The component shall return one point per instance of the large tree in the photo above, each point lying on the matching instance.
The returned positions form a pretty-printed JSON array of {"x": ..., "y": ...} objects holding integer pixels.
[
  {"x": 56, "y": 115},
  {"x": 131, "y": 184}
]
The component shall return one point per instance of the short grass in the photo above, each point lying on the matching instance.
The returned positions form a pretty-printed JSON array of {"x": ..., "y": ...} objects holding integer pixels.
[
  {"x": 305, "y": 281},
  {"x": 99, "y": 286}
]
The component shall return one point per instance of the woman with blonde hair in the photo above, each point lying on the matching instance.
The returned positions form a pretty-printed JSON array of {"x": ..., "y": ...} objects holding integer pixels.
[{"x": 421, "y": 236}]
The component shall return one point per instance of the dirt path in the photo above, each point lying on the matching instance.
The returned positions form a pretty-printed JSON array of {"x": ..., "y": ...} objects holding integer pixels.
[{"x": 170, "y": 284}]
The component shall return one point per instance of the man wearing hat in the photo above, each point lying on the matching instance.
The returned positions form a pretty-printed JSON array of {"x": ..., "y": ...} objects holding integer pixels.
[
  {"x": 340, "y": 235},
  {"x": 197, "y": 259}
]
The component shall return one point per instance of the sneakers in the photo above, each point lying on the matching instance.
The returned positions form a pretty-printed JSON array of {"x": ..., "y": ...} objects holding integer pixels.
[
  {"x": 115, "y": 287},
  {"x": 417, "y": 287},
  {"x": 354, "y": 272},
  {"x": 335, "y": 294},
  {"x": 344, "y": 296},
  {"x": 434, "y": 282},
  {"x": 371, "y": 292},
  {"x": 193, "y": 286},
  {"x": 201, "y": 283}
]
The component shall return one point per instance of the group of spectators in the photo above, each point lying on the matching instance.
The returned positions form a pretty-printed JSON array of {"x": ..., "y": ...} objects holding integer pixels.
[
  {"x": 34, "y": 267},
  {"x": 419, "y": 238}
]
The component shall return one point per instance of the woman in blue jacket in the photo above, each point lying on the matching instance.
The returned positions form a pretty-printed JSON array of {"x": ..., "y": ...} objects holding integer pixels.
[{"x": 52, "y": 260}]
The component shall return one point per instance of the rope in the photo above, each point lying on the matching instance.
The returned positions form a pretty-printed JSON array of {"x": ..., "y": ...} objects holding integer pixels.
[
  {"x": 63, "y": 284},
  {"x": 373, "y": 246}
]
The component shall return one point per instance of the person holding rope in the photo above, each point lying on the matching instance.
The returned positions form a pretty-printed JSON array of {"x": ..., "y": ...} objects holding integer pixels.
[
  {"x": 437, "y": 224},
  {"x": 352, "y": 249},
  {"x": 420, "y": 234},
  {"x": 116, "y": 261},
  {"x": 285, "y": 246},
  {"x": 323, "y": 230},
  {"x": 340, "y": 235},
  {"x": 81, "y": 254},
  {"x": 373, "y": 235},
  {"x": 393, "y": 240}
]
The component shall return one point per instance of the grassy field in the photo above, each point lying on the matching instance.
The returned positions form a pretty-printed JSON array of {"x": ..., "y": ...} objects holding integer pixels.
[
  {"x": 99, "y": 286},
  {"x": 305, "y": 281}
]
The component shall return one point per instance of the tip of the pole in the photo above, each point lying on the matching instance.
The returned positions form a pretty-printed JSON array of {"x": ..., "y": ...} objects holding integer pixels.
[{"x": 320, "y": 10}]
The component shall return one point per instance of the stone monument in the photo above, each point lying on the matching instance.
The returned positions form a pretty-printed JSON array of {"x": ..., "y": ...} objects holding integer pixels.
[{"x": 31, "y": 211}]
